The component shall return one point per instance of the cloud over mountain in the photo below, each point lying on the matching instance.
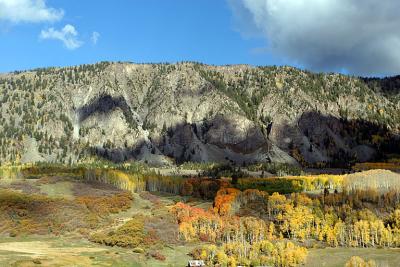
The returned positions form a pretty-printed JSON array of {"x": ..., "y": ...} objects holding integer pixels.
[{"x": 359, "y": 37}]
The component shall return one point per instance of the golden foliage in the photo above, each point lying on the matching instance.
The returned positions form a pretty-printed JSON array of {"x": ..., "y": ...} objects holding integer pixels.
[
  {"x": 261, "y": 253},
  {"x": 393, "y": 166},
  {"x": 356, "y": 261},
  {"x": 289, "y": 184},
  {"x": 130, "y": 234},
  {"x": 107, "y": 204}
]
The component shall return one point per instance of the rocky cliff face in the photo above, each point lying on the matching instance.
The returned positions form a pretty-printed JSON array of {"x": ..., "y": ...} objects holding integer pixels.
[{"x": 172, "y": 113}]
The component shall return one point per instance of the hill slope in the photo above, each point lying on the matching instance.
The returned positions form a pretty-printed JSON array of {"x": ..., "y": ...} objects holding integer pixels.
[{"x": 164, "y": 113}]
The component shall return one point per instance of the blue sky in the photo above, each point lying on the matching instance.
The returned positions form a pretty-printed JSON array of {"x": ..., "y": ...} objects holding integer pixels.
[
  {"x": 347, "y": 36},
  {"x": 138, "y": 31}
]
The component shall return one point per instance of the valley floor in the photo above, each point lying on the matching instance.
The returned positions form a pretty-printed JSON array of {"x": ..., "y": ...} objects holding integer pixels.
[
  {"x": 337, "y": 257},
  {"x": 73, "y": 248},
  {"x": 66, "y": 251}
]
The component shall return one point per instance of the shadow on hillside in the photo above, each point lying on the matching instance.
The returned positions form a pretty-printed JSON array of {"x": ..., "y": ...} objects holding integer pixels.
[
  {"x": 105, "y": 104},
  {"x": 339, "y": 142},
  {"x": 389, "y": 85},
  {"x": 190, "y": 142},
  {"x": 315, "y": 140}
]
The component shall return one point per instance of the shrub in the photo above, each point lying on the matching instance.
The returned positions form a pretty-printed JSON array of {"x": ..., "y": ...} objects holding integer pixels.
[
  {"x": 36, "y": 261},
  {"x": 158, "y": 256},
  {"x": 131, "y": 234},
  {"x": 138, "y": 250},
  {"x": 356, "y": 261}
]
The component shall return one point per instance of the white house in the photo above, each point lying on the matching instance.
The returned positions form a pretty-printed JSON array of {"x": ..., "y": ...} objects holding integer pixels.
[{"x": 196, "y": 263}]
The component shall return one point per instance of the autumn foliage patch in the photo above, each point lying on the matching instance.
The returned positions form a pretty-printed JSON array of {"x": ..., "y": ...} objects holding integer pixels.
[
  {"x": 130, "y": 234},
  {"x": 22, "y": 213}
]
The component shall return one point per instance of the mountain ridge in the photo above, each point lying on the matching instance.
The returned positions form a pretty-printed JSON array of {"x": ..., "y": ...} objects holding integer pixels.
[{"x": 172, "y": 113}]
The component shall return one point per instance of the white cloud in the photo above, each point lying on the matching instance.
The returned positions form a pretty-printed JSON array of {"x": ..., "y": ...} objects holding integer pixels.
[
  {"x": 95, "y": 37},
  {"x": 68, "y": 35},
  {"x": 361, "y": 37},
  {"x": 17, "y": 11}
]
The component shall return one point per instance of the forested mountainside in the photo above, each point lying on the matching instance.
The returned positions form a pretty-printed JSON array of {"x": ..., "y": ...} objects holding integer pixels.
[{"x": 172, "y": 113}]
